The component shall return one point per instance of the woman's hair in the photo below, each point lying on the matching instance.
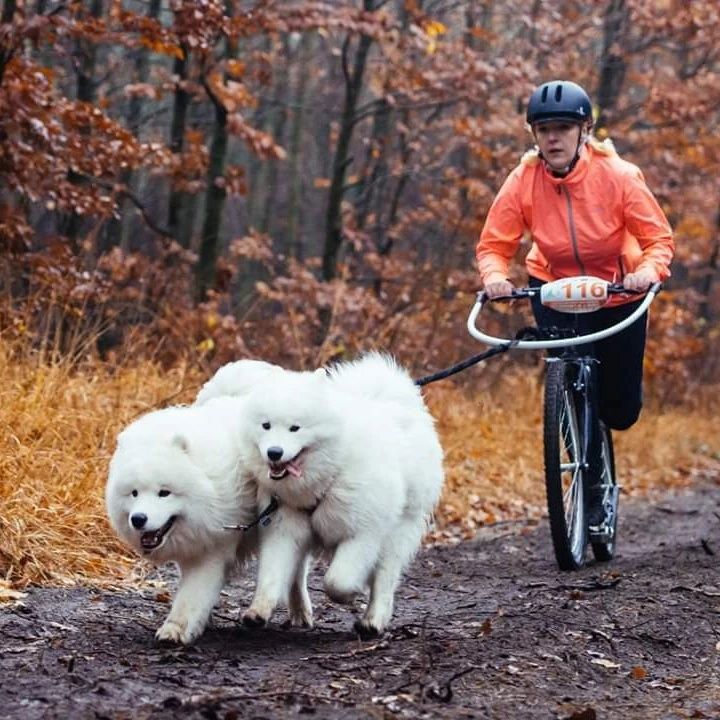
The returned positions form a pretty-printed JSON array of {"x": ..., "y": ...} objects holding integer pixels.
[{"x": 601, "y": 147}]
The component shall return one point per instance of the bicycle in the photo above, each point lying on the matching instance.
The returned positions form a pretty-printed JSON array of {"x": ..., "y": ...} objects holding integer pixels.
[{"x": 570, "y": 414}]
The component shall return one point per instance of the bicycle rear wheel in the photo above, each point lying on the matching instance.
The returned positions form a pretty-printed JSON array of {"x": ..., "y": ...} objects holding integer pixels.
[
  {"x": 604, "y": 546},
  {"x": 564, "y": 482}
]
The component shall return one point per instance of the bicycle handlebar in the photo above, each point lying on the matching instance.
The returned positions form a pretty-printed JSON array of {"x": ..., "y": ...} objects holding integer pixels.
[{"x": 561, "y": 342}]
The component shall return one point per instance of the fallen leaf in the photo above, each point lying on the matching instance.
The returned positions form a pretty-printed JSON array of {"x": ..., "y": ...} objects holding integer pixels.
[
  {"x": 638, "y": 672},
  {"x": 605, "y": 663}
]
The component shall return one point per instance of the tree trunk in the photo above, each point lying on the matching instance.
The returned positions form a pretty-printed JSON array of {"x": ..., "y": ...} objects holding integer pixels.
[
  {"x": 214, "y": 205},
  {"x": 255, "y": 165},
  {"x": 8, "y": 13},
  {"x": 294, "y": 243},
  {"x": 474, "y": 108},
  {"x": 118, "y": 229},
  {"x": 612, "y": 65},
  {"x": 87, "y": 56},
  {"x": 270, "y": 166},
  {"x": 374, "y": 174},
  {"x": 704, "y": 309},
  {"x": 353, "y": 87},
  {"x": 178, "y": 198}
]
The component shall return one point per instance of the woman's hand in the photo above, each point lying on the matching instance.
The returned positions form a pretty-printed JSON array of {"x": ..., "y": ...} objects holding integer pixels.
[
  {"x": 640, "y": 281},
  {"x": 499, "y": 289}
]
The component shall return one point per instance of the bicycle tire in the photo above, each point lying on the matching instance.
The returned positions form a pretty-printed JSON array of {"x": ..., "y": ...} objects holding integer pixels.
[
  {"x": 564, "y": 476},
  {"x": 604, "y": 550}
]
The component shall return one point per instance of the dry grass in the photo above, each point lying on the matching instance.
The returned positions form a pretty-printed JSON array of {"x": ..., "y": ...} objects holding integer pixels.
[{"x": 59, "y": 430}]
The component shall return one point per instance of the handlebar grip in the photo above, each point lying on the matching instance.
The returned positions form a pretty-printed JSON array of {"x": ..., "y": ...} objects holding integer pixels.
[
  {"x": 618, "y": 288},
  {"x": 516, "y": 294}
]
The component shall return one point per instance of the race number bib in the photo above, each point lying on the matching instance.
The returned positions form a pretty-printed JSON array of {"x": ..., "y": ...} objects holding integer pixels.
[{"x": 575, "y": 295}]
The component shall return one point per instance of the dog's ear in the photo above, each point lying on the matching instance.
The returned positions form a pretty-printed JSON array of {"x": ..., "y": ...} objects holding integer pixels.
[{"x": 181, "y": 442}]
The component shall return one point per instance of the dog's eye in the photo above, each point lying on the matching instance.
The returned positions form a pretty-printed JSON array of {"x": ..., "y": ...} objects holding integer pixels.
[
  {"x": 294, "y": 428},
  {"x": 266, "y": 426},
  {"x": 134, "y": 493},
  {"x": 163, "y": 493}
]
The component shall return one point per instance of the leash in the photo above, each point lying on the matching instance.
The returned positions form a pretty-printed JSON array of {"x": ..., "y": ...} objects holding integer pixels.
[
  {"x": 468, "y": 362},
  {"x": 262, "y": 519},
  {"x": 522, "y": 334}
]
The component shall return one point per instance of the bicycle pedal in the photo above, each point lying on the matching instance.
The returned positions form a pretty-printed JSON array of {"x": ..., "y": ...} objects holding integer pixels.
[{"x": 600, "y": 533}]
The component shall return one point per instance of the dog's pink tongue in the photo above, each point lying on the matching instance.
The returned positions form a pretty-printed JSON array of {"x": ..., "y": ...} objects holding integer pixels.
[{"x": 294, "y": 468}]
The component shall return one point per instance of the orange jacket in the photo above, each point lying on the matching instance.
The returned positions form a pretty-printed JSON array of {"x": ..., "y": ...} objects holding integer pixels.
[{"x": 601, "y": 219}]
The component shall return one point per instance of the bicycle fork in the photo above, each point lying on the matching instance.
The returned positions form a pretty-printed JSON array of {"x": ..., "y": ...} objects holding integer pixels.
[
  {"x": 592, "y": 442},
  {"x": 583, "y": 388}
]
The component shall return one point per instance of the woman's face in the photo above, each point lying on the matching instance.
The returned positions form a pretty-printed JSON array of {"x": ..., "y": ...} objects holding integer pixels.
[{"x": 558, "y": 141}]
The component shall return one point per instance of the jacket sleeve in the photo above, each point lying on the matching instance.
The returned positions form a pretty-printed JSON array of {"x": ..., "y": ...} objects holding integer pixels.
[
  {"x": 645, "y": 219},
  {"x": 504, "y": 227}
]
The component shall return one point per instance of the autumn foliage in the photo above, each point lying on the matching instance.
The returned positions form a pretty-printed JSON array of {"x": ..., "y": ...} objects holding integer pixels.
[{"x": 163, "y": 165}]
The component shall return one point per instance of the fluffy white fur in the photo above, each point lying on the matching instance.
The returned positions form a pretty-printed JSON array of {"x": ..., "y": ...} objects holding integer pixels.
[
  {"x": 184, "y": 463},
  {"x": 355, "y": 462},
  {"x": 236, "y": 378}
]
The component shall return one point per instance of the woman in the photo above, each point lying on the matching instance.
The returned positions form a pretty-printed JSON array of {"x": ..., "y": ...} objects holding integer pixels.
[{"x": 588, "y": 212}]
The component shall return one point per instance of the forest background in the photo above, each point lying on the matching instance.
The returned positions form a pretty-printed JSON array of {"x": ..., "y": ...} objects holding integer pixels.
[{"x": 183, "y": 184}]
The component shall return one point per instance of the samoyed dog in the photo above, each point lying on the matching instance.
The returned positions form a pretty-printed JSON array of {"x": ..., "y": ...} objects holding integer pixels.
[
  {"x": 354, "y": 460},
  {"x": 174, "y": 481}
]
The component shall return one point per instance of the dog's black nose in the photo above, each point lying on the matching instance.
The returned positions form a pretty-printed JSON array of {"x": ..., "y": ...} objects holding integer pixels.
[
  {"x": 138, "y": 520},
  {"x": 274, "y": 453}
]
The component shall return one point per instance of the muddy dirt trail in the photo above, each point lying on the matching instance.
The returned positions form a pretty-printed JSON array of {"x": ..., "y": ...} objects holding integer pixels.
[{"x": 484, "y": 629}]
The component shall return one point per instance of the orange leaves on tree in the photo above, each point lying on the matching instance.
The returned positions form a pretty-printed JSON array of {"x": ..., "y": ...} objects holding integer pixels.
[
  {"x": 162, "y": 47},
  {"x": 261, "y": 143}
]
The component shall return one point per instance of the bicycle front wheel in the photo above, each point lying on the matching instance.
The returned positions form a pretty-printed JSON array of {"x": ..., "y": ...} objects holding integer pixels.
[{"x": 563, "y": 466}]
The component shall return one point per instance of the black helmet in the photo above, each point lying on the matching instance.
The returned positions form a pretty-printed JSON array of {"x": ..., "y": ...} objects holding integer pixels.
[{"x": 559, "y": 100}]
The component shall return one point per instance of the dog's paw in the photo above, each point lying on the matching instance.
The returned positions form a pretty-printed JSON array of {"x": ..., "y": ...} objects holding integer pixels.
[
  {"x": 366, "y": 631},
  {"x": 300, "y": 617},
  {"x": 253, "y": 619},
  {"x": 176, "y": 633}
]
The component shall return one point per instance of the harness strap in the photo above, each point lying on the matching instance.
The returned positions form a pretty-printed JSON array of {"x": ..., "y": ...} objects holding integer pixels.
[{"x": 262, "y": 519}]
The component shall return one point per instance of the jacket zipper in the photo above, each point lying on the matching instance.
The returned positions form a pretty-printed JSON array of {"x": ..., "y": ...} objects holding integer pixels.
[{"x": 573, "y": 234}]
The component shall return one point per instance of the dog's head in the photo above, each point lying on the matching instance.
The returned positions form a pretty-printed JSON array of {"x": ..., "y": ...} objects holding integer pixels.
[
  {"x": 152, "y": 496},
  {"x": 290, "y": 421}
]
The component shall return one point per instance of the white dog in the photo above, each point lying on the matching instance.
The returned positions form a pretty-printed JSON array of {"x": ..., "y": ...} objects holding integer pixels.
[
  {"x": 354, "y": 460},
  {"x": 175, "y": 480}
]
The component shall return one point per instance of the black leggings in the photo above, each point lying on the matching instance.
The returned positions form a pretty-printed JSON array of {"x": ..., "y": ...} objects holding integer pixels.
[{"x": 621, "y": 356}]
